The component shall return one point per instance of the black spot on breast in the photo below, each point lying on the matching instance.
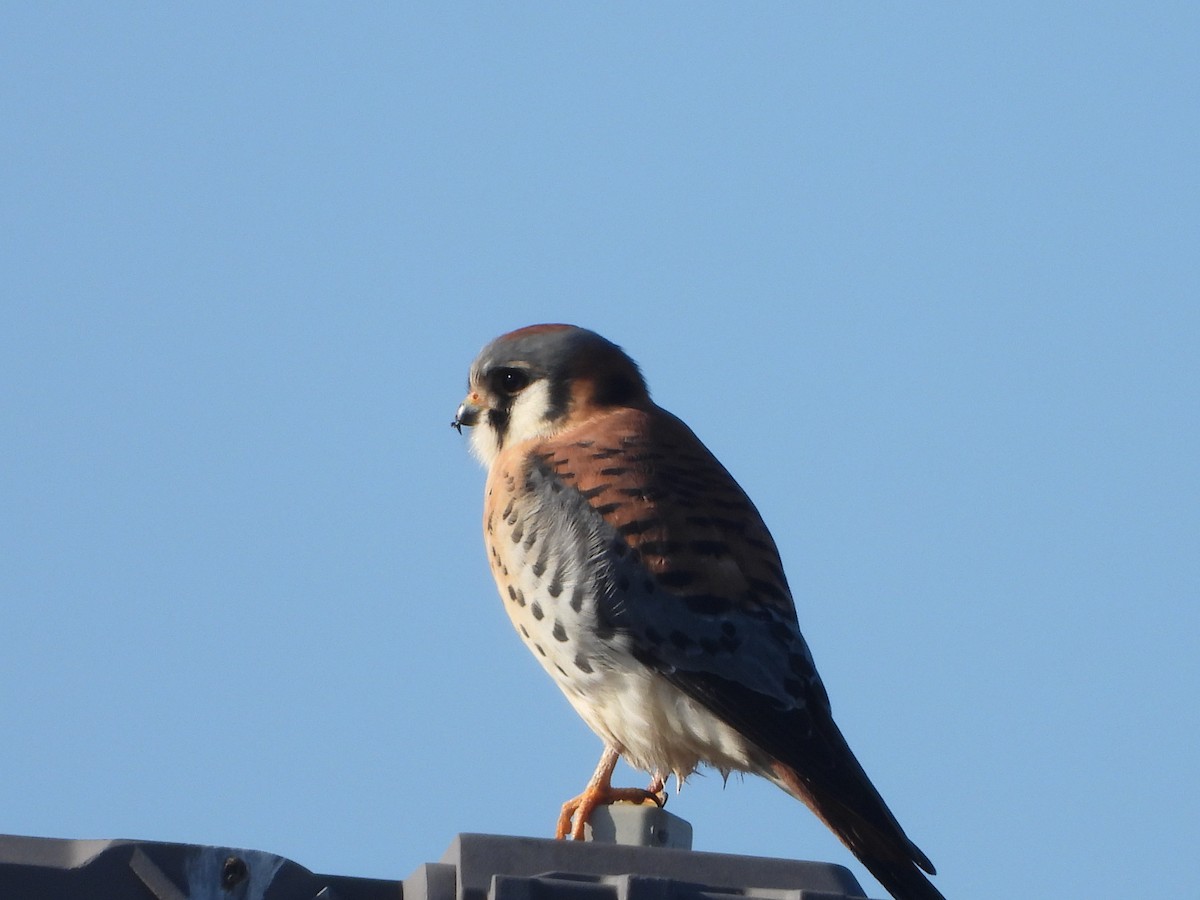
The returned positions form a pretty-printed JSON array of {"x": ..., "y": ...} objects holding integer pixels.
[
  {"x": 577, "y": 598},
  {"x": 512, "y": 593},
  {"x": 559, "y": 632},
  {"x": 595, "y": 491},
  {"x": 524, "y": 631},
  {"x": 582, "y": 664},
  {"x": 520, "y": 598},
  {"x": 608, "y": 508},
  {"x": 614, "y": 470},
  {"x": 606, "y": 453},
  {"x": 539, "y": 649},
  {"x": 517, "y": 533},
  {"x": 539, "y": 567},
  {"x": 556, "y": 586},
  {"x": 536, "y": 609},
  {"x": 584, "y": 444},
  {"x": 508, "y": 508}
]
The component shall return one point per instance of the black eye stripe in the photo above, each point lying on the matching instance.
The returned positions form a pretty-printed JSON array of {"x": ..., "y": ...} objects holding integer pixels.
[{"x": 498, "y": 420}]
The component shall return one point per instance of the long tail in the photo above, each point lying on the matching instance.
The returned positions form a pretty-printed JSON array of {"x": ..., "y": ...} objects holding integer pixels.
[{"x": 830, "y": 781}]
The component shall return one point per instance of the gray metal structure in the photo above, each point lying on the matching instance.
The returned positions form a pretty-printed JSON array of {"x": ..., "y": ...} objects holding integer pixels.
[{"x": 636, "y": 853}]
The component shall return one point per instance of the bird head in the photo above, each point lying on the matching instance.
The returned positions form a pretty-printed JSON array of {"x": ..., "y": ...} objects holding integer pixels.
[{"x": 538, "y": 381}]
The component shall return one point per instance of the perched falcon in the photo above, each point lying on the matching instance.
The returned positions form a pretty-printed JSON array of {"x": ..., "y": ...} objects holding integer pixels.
[{"x": 644, "y": 581}]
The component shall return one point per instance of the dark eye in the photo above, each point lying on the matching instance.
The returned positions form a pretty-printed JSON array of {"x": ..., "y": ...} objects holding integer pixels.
[{"x": 510, "y": 381}]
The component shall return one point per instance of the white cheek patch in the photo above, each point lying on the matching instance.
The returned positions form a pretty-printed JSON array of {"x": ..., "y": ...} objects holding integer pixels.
[{"x": 527, "y": 418}]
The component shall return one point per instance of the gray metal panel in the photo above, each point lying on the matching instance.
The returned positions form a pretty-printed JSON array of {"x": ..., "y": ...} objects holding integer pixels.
[
  {"x": 475, "y": 867},
  {"x": 54, "y": 869},
  {"x": 493, "y": 868}
]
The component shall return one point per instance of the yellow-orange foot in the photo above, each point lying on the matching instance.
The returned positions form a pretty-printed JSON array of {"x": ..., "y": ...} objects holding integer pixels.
[{"x": 599, "y": 792}]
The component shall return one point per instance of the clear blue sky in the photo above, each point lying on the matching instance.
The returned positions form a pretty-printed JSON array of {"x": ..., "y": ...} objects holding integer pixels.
[{"x": 927, "y": 279}]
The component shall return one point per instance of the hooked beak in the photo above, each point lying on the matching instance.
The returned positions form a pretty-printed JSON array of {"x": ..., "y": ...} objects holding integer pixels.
[{"x": 467, "y": 414}]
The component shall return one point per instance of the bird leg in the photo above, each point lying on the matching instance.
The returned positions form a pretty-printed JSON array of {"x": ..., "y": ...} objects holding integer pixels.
[{"x": 600, "y": 792}]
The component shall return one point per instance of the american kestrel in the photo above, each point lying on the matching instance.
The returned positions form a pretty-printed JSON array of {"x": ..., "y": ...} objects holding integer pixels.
[{"x": 644, "y": 581}]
